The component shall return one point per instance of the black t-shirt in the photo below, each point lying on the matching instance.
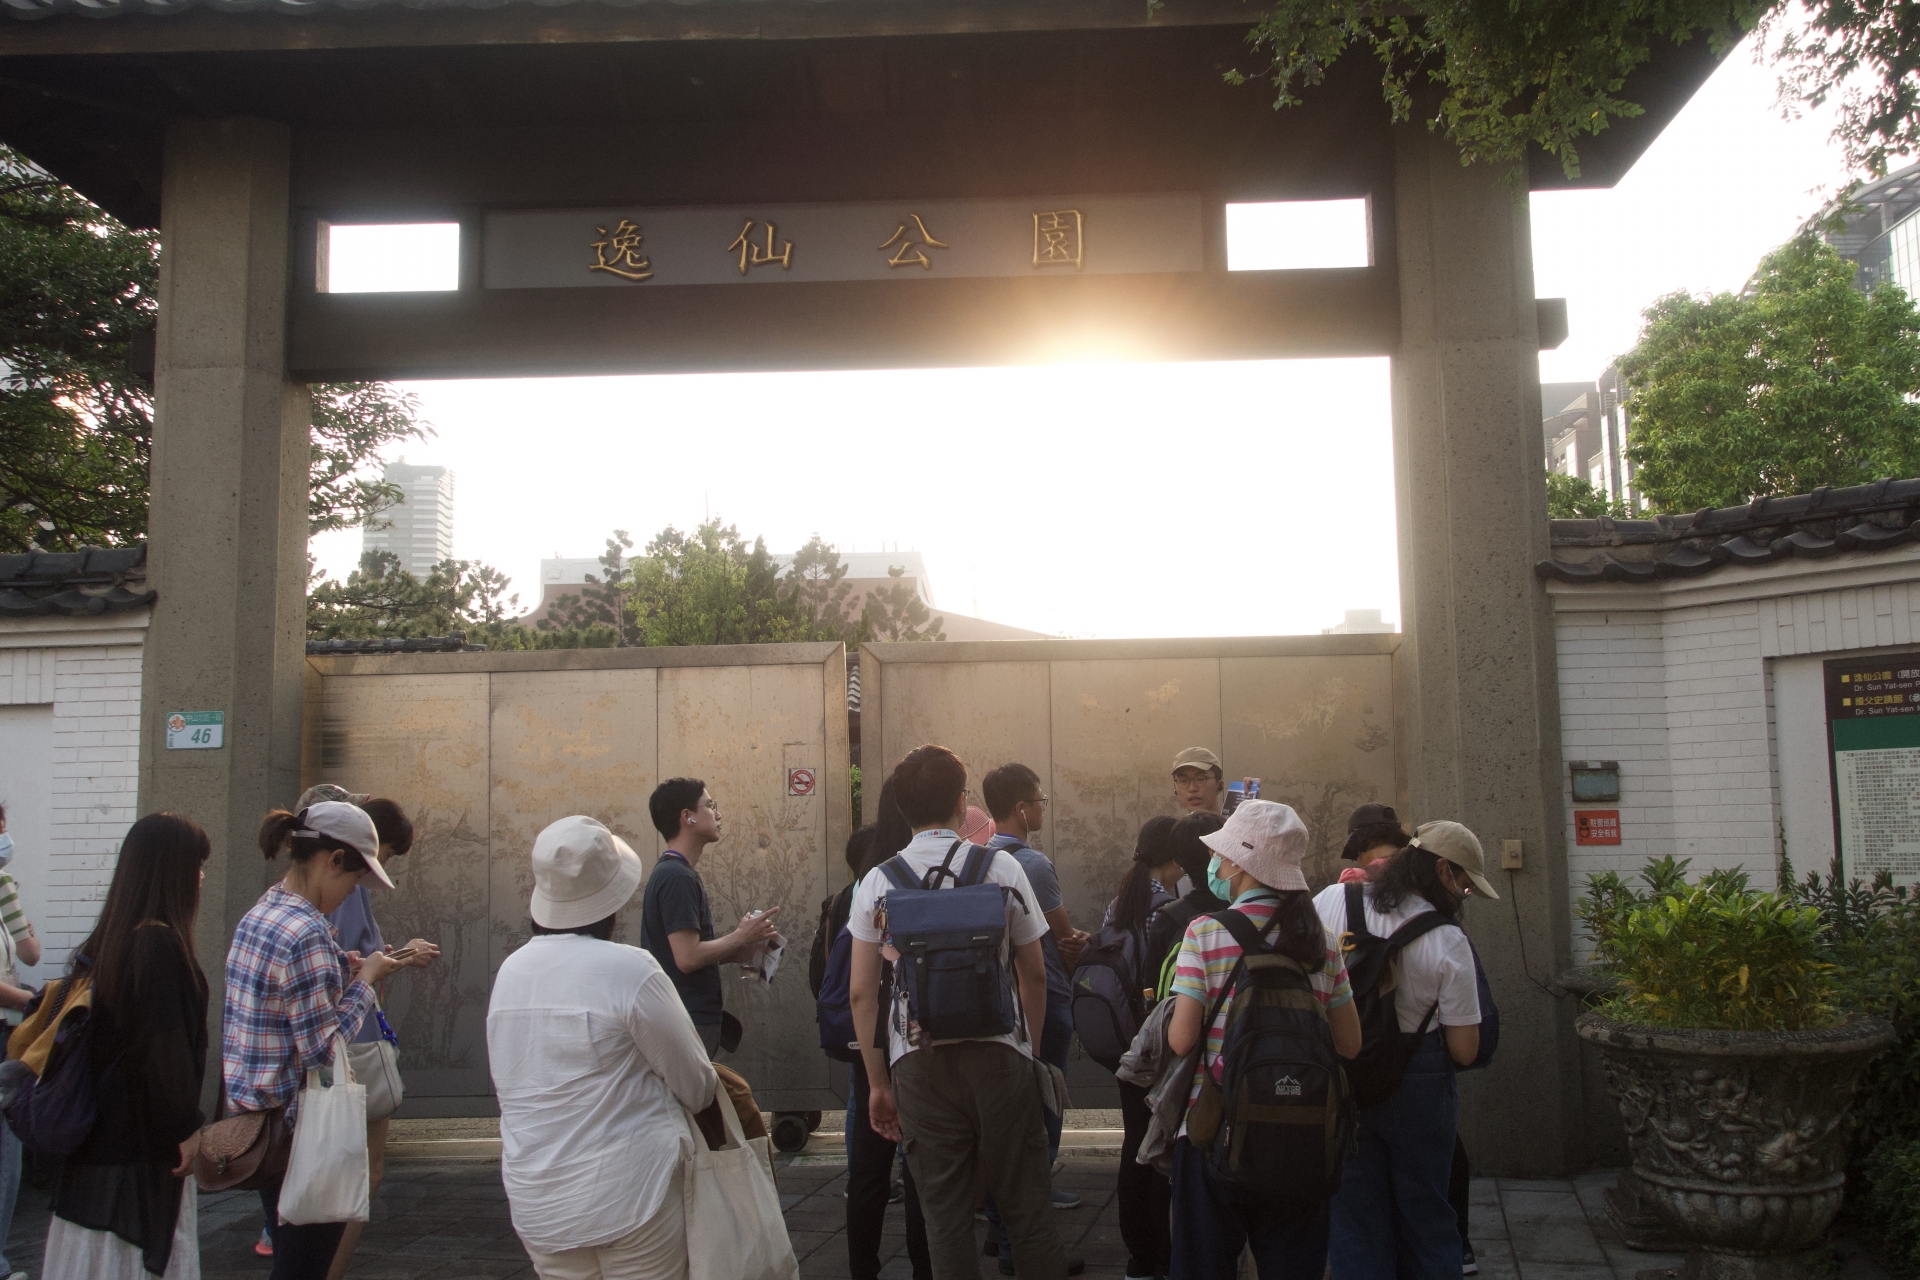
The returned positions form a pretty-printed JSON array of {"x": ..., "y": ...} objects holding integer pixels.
[{"x": 676, "y": 901}]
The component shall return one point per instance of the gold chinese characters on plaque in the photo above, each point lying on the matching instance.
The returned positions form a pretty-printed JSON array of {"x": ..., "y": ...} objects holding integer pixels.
[
  {"x": 1059, "y": 239},
  {"x": 909, "y": 250},
  {"x": 617, "y": 253},
  {"x": 752, "y": 255}
]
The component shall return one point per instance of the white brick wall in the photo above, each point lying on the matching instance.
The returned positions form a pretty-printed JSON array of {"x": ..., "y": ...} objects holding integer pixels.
[
  {"x": 1673, "y": 680},
  {"x": 91, "y": 678}
]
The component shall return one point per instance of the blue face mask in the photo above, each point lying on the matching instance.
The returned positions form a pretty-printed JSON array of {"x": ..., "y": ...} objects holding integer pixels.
[
  {"x": 6, "y": 848},
  {"x": 1219, "y": 888}
]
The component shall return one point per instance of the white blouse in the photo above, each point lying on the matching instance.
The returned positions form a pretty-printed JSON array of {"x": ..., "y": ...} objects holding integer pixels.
[{"x": 593, "y": 1057}]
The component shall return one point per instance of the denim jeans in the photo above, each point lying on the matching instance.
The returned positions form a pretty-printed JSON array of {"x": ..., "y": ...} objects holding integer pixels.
[
  {"x": 299, "y": 1252},
  {"x": 1209, "y": 1231},
  {"x": 1391, "y": 1217},
  {"x": 10, "y": 1154}
]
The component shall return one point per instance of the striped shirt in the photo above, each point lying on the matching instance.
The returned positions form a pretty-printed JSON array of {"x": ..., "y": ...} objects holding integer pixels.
[
  {"x": 1207, "y": 958},
  {"x": 288, "y": 992},
  {"x": 12, "y": 914}
]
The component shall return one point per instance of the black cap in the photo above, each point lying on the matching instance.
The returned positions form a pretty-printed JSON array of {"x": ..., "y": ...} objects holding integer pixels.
[{"x": 1372, "y": 815}]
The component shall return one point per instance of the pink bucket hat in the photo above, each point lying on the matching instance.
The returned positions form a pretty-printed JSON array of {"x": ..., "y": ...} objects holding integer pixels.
[{"x": 1265, "y": 839}]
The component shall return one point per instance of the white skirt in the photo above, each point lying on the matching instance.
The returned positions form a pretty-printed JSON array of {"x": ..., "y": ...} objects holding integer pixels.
[{"x": 77, "y": 1253}]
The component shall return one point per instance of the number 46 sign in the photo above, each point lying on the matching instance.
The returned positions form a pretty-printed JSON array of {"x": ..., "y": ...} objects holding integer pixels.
[{"x": 196, "y": 730}]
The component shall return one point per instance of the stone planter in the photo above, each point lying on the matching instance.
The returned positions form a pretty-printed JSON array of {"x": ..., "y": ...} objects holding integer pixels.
[{"x": 1739, "y": 1138}]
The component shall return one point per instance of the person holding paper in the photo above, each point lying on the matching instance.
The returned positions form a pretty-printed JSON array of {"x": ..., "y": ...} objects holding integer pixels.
[{"x": 676, "y": 922}]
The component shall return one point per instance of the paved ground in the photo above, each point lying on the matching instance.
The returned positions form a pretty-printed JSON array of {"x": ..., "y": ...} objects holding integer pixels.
[{"x": 447, "y": 1220}]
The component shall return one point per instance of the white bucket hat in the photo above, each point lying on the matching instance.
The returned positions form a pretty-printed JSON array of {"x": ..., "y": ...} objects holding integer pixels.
[
  {"x": 1265, "y": 839},
  {"x": 582, "y": 872},
  {"x": 350, "y": 825}
]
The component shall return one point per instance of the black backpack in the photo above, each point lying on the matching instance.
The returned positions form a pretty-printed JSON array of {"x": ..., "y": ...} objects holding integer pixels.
[
  {"x": 1108, "y": 1000},
  {"x": 1286, "y": 1119},
  {"x": 1385, "y": 1049}
]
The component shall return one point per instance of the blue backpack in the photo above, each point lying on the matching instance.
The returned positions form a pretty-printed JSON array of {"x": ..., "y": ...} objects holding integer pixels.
[
  {"x": 950, "y": 940},
  {"x": 833, "y": 1007}
]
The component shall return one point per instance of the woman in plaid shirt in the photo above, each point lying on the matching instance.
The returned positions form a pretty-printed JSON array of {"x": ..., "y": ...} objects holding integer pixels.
[{"x": 290, "y": 990}]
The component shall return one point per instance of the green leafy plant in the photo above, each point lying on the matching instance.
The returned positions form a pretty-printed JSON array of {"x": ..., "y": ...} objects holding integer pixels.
[
  {"x": 1873, "y": 940},
  {"x": 1713, "y": 955}
]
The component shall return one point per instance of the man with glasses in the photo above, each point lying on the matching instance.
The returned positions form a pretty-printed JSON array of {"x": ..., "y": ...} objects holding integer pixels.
[
  {"x": 1198, "y": 785},
  {"x": 676, "y": 924},
  {"x": 1013, "y": 796}
]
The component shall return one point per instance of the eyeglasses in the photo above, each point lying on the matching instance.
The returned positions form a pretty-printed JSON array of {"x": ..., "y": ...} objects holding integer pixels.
[
  {"x": 1192, "y": 780},
  {"x": 712, "y": 804}
]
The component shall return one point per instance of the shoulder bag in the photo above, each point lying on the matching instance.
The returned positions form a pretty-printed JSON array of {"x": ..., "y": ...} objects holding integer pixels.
[
  {"x": 376, "y": 1065},
  {"x": 244, "y": 1152}
]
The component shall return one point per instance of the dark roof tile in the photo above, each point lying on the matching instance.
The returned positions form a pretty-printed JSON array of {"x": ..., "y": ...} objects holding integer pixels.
[
  {"x": 1859, "y": 518},
  {"x": 88, "y": 582}
]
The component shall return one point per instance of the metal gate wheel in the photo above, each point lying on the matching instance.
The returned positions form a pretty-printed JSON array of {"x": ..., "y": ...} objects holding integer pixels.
[{"x": 790, "y": 1131}]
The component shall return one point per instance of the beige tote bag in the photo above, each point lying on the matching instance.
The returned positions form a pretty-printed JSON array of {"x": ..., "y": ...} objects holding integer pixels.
[
  {"x": 735, "y": 1230},
  {"x": 327, "y": 1169}
]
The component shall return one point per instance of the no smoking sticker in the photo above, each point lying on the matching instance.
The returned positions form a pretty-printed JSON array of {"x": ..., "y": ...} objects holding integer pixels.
[{"x": 799, "y": 782}]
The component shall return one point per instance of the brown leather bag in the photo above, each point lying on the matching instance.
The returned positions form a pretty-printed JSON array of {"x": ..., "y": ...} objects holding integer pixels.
[{"x": 244, "y": 1152}]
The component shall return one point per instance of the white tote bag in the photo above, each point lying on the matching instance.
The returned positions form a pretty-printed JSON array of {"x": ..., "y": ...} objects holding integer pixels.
[
  {"x": 327, "y": 1169},
  {"x": 734, "y": 1227}
]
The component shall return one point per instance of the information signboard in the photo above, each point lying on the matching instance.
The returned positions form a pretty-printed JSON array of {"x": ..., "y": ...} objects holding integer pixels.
[{"x": 1873, "y": 734}]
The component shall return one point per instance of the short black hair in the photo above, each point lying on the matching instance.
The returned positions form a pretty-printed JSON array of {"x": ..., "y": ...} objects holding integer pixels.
[
  {"x": 1184, "y": 845},
  {"x": 601, "y": 929},
  {"x": 671, "y": 799},
  {"x": 857, "y": 845},
  {"x": 392, "y": 824},
  {"x": 928, "y": 784},
  {"x": 1006, "y": 787}
]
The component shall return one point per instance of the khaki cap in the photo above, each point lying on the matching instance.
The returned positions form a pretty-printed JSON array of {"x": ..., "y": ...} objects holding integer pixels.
[
  {"x": 1195, "y": 758},
  {"x": 1459, "y": 846}
]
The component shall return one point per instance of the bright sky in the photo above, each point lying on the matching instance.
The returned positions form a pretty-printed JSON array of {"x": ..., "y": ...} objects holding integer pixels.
[{"x": 1098, "y": 499}]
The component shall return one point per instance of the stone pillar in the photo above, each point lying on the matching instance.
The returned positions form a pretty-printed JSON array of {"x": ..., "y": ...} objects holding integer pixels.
[
  {"x": 227, "y": 530},
  {"x": 1483, "y": 717}
]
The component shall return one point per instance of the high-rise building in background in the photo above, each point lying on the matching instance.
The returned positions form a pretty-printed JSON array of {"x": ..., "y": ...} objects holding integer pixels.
[
  {"x": 1583, "y": 426},
  {"x": 420, "y": 529},
  {"x": 1877, "y": 228}
]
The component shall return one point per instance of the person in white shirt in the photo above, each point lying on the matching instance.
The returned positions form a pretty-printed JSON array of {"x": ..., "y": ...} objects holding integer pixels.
[
  {"x": 1391, "y": 1216},
  {"x": 596, "y": 1064},
  {"x": 969, "y": 1110}
]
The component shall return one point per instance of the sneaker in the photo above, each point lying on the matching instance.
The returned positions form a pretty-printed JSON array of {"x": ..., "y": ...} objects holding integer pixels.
[
  {"x": 264, "y": 1245},
  {"x": 1065, "y": 1200},
  {"x": 1469, "y": 1266},
  {"x": 896, "y": 1193}
]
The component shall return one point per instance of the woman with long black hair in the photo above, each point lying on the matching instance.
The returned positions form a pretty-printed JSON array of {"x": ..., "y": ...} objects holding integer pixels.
[
  {"x": 1144, "y": 1193},
  {"x": 1255, "y": 865},
  {"x": 124, "y": 1206},
  {"x": 1392, "y": 1216}
]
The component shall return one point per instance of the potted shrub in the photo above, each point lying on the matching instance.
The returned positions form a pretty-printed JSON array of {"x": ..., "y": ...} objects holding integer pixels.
[{"x": 1733, "y": 1069}]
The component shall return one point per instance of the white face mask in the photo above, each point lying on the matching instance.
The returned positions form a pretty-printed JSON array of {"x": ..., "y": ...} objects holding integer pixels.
[{"x": 6, "y": 848}]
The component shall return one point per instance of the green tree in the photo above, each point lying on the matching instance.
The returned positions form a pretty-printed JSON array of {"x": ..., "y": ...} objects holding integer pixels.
[
  {"x": 709, "y": 587},
  {"x": 76, "y": 424},
  {"x": 75, "y": 288},
  {"x": 896, "y": 612},
  {"x": 1801, "y": 381},
  {"x": 1571, "y": 498},
  {"x": 1514, "y": 74},
  {"x": 380, "y": 600}
]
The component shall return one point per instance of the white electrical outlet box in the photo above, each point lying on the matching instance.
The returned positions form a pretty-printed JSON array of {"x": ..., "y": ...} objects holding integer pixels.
[{"x": 1511, "y": 858}]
